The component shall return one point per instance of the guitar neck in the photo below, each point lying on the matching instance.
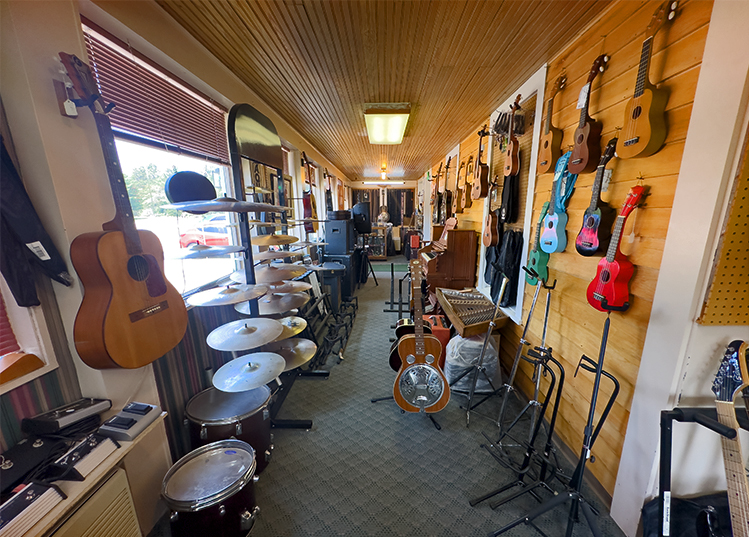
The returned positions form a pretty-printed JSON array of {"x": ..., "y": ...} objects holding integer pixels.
[
  {"x": 738, "y": 486},
  {"x": 123, "y": 219},
  {"x": 595, "y": 197},
  {"x": 418, "y": 312},
  {"x": 642, "y": 71},
  {"x": 549, "y": 109}
]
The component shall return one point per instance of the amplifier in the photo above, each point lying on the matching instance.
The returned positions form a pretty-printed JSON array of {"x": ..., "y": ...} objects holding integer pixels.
[
  {"x": 58, "y": 418},
  {"x": 339, "y": 234},
  {"x": 441, "y": 330}
]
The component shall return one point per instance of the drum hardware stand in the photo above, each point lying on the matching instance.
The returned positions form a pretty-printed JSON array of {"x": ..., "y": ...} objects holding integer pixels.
[
  {"x": 366, "y": 264},
  {"x": 573, "y": 493}
]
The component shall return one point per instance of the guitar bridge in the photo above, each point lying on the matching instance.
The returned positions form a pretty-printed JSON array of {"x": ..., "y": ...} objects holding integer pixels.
[
  {"x": 598, "y": 296},
  {"x": 631, "y": 141},
  {"x": 148, "y": 311}
]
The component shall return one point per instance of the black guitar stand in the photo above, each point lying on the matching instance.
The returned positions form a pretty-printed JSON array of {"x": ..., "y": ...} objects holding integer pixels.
[
  {"x": 391, "y": 305},
  {"x": 573, "y": 493}
]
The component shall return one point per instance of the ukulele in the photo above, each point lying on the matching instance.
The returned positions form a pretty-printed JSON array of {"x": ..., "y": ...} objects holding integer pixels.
[
  {"x": 537, "y": 258},
  {"x": 595, "y": 234},
  {"x": 130, "y": 314},
  {"x": 420, "y": 385},
  {"x": 644, "y": 128},
  {"x": 609, "y": 290},
  {"x": 459, "y": 191},
  {"x": 587, "y": 148},
  {"x": 554, "y": 234},
  {"x": 308, "y": 197},
  {"x": 447, "y": 195},
  {"x": 551, "y": 139},
  {"x": 512, "y": 160},
  {"x": 733, "y": 377},
  {"x": 437, "y": 197},
  {"x": 467, "y": 199},
  {"x": 481, "y": 173},
  {"x": 490, "y": 237}
]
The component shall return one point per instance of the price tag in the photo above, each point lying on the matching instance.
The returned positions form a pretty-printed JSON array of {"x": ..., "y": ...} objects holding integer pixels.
[
  {"x": 38, "y": 250},
  {"x": 607, "y": 174},
  {"x": 70, "y": 108},
  {"x": 583, "y": 98}
]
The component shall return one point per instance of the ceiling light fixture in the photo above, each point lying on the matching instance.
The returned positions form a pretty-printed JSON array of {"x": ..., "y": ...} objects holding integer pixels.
[
  {"x": 384, "y": 182},
  {"x": 386, "y": 122}
]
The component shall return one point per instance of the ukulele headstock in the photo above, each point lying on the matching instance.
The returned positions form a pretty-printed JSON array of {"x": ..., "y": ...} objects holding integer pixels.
[
  {"x": 635, "y": 196},
  {"x": 84, "y": 83},
  {"x": 559, "y": 85},
  {"x": 666, "y": 12},
  {"x": 732, "y": 376},
  {"x": 609, "y": 152},
  {"x": 599, "y": 66}
]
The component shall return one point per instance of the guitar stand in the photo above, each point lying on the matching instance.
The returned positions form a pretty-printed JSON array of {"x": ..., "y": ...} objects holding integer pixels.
[
  {"x": 401, "y": 303},
  {"x": 573, "y": 494}
]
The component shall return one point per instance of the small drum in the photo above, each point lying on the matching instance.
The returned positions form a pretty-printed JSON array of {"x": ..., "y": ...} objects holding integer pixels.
[
  {"x": 210, "y": 491},
  {"x": 215, "y": 415}
]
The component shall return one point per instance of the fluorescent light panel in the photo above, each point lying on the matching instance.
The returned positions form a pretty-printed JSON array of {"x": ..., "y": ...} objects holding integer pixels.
[
  {"x": 386, "y": 123},
  {"x": 384, "y": 182}
]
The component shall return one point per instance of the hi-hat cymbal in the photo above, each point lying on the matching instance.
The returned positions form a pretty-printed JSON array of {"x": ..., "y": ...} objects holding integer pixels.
[
  {"x": 248, "y": 372},
  {"x": 271, "y": 303},
  {"x": 296, "y": 351},
  {"x": 307, "y": 244},
  {"x": 292, "y": 326},
  {"x": 290, "y": 287},
  {"x": 273, "y": 240},
  {"x": 244, "y": 334},
  {"x": 274, "y": 254},
  {"x": 201, "y": 251},
  {"x": 226, "y": 205},
  {"x": 231, "y": 294}
]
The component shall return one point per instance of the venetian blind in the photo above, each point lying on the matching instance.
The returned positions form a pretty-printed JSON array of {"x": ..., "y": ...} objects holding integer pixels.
[{"x": 8, "y": 341}]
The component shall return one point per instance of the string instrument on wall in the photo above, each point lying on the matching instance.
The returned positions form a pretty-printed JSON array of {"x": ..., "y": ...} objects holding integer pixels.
[
  {"x": 609, "y": 290},
  {"x": 587, "y": 146},
  {"x": 732, "y": 378},
  {"x": 130, "y": 314},
  {"x": 551, "y": 140},
  {"x": 437, "y": 197},
  {"x": 467, "y": 200},
  {"x": 537, "y": 258},
  {"x": 481, "y": 174},
  {"x": 554, "y": 234},
  {"x": 308, "y": 197},
  {"x": 512, "y": 159},
  {"x": 447, "y": 195},
  {"x": 490, "y": 236},
  {"x": 459, "y": 191},
  {"x": 420, "y": 385},
  {"x": 644, "y": 128},
  {"x": 599, "y": 216}
]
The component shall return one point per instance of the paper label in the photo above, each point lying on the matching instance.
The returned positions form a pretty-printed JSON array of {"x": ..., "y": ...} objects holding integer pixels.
[
  {"x": 583, "y": 98},
  {"x": 666, "y": 513},
  {"x": 70, "y": 108},
  {"x": 607, "y": 174},
  {"x": 38, "y": 250}
]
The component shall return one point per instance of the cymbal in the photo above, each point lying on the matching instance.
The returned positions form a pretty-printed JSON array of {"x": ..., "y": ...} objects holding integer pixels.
[
  {"x": 296, "y": 351},
  {"x": 292, "y": 326},
  {"x": 305, "y": 220},
  {"x": 244, "y": 334},
  {"x": 271, "y": 303},
  {"x": 289, "y": 287},
  {"x": 273, "y": 240},
  {"x": 201, "y": 251},
  {"x": 226, "y": 205},
  {"x": 270, "y": 274},
  {"x": 307, "y": 244},
  {"x": 230, "y": 294},
  {"x": 274, "y": 254},
  {"x": 248, "y": 372}
]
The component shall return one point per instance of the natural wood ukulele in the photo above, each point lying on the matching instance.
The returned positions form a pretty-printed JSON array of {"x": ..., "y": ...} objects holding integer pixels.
[
  {"x": 481, "y": 176},
  {"x": 587, "y": 148},
  {"x": 460, "y": 192},
  {"x": 512, "y": 158},
  {"x": 130, "y": 314},
  {"x": 551, "y": 140}
]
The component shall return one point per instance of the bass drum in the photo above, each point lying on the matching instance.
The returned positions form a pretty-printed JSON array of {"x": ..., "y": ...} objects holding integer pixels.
[
  {"x": 215, "y": 415},
  {"x": 210, "y": 491}
]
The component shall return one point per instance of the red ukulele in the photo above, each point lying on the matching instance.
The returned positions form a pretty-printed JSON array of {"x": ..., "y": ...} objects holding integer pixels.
[{"x": 609, "y": 290}]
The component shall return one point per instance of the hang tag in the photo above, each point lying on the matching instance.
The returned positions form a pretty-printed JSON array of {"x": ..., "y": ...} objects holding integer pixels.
[
  {"x": 70, "y": 108},
  {"x": 631, "y": 236},
  {"x": 583, "y": 98},
  {"x": 38, "y": 250},
  {"x": 607, "y": 174}
]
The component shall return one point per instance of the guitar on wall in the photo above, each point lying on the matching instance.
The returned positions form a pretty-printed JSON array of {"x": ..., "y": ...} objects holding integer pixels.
[
  {"x": 308, "y": 197},
  {"x": 459, "y": 191},
  {"x": 447, "y": 195},
  {"x": 437, "y": 199},
  {"x": 587, "y": 141},
  {"x": 609, "y": 290},
  {"x": 554, "y": 234},
  {"x": 599, "y": 216},
  {"x": 420, "y": 385},
  {"x": 481, "y": 174},
  {"x": 130, "y": 314},
  {"x": 490, "y": 236},
  {"x": 551, "y": 140},
  {"x": 467, "y": 199},
  {"x": 732, "y": 378},
  {"x": 512, "y": 159},
  {"x": 537, "y": 258},
  {"x": 644, "y": 128}
]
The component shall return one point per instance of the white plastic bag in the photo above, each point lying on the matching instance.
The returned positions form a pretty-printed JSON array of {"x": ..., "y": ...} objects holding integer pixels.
[{"x": 463, "y": 354}]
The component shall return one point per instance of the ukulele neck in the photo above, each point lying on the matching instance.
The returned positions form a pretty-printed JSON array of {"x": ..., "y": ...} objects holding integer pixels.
[{"x": 642, "y": 71}]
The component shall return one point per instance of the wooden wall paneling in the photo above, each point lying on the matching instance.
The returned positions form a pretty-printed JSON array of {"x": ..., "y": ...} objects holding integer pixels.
[{"x": 574, "y": 326}]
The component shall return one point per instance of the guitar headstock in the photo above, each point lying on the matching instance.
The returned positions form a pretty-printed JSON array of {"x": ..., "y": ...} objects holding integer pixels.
[
  {"x": 516, "y": 105},
  {"x": 559, "y": 85},
  {"x": 732, "y": 375},
  {"x": 609, "y": 152},
  {"x": 599, "y": 66},
  {"x": 635, "y": 196},
  {"x": 469, "y": 167},
  {"x": 415, "y": 266},
  {"x": 666, "y": 12},
  {"x": 84, "y": 83},
  {"x": 483, "y": 133}
]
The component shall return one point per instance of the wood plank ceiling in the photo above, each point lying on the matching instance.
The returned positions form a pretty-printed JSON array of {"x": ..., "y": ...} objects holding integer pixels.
[{"x": 318, "y": 62}]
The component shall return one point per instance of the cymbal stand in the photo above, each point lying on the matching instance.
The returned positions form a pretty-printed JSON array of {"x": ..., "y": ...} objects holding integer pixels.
[{"x": 573, "y": 493}]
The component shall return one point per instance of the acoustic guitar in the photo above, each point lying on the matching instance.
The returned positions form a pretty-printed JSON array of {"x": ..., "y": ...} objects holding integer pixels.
[
  {"x": 437, "y": 198},
  {"x": 595, "y": 233},
  {"x": 512, "y": 159},
  {"x": 130, "y": 314},
  {"x": 644, "y": 128},
  {"x": 551, "y": 140},
  {"x": 609, "y": 290},
  {"x": 459, "y": 191},
  {"x": 481, "y": 173},
  {"x": 490, "y": 236},
  {"x": 447, "y": 195},
  {"x": 467, "y": 199},
  {"x": 309, "y": 202},
  {"x": 537, "y": 258},
  {"x": 587, "y": 142},
  {"x": 554, "y": 234},
  {"x": 420, "y": 385},
  {"x": 402, "y": 328}
]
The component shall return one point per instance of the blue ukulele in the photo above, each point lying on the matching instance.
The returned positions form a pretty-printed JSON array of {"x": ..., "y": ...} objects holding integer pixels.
[{"x": 554, "y": 236}]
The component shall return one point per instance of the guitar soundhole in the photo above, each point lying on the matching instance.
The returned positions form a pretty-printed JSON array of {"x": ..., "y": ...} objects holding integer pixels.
[
  {"x": 137, "y": 267},
  {"x": 591, "y": 221},
  {"x": 605, "y": 276},
  {"x": 546, "y": 144},
  {"x": 580, "y": 139},
  {"x": 533, "y": 261},
  {"x": 636, "y": 112},
  {"x": 550, "y": 224}
]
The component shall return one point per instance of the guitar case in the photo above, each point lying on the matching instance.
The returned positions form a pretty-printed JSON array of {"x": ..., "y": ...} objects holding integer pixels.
[
  {"x": 508, "y": 264},
  {"x": 684, "y": 515},
  {"x": 508, "y": 212}
]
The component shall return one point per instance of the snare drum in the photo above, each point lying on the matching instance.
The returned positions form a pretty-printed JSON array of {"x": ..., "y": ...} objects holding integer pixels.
[
  {"x": 215, "y": 415},
  {"x": 210, "y": 491}
]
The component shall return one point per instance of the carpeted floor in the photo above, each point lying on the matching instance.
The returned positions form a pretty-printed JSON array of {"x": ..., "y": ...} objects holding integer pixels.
[{"x": 367, "y": 469}]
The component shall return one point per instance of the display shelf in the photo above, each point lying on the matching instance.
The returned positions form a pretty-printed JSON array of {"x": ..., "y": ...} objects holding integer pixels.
[{"x": 377, "y": 242}]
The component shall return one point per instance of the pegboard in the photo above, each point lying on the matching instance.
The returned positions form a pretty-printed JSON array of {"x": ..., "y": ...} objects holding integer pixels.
[{"x": 727, "y": 300}]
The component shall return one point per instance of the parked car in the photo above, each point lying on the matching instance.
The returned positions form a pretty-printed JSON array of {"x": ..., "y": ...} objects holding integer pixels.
[{"x": 213, "y": 232}]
